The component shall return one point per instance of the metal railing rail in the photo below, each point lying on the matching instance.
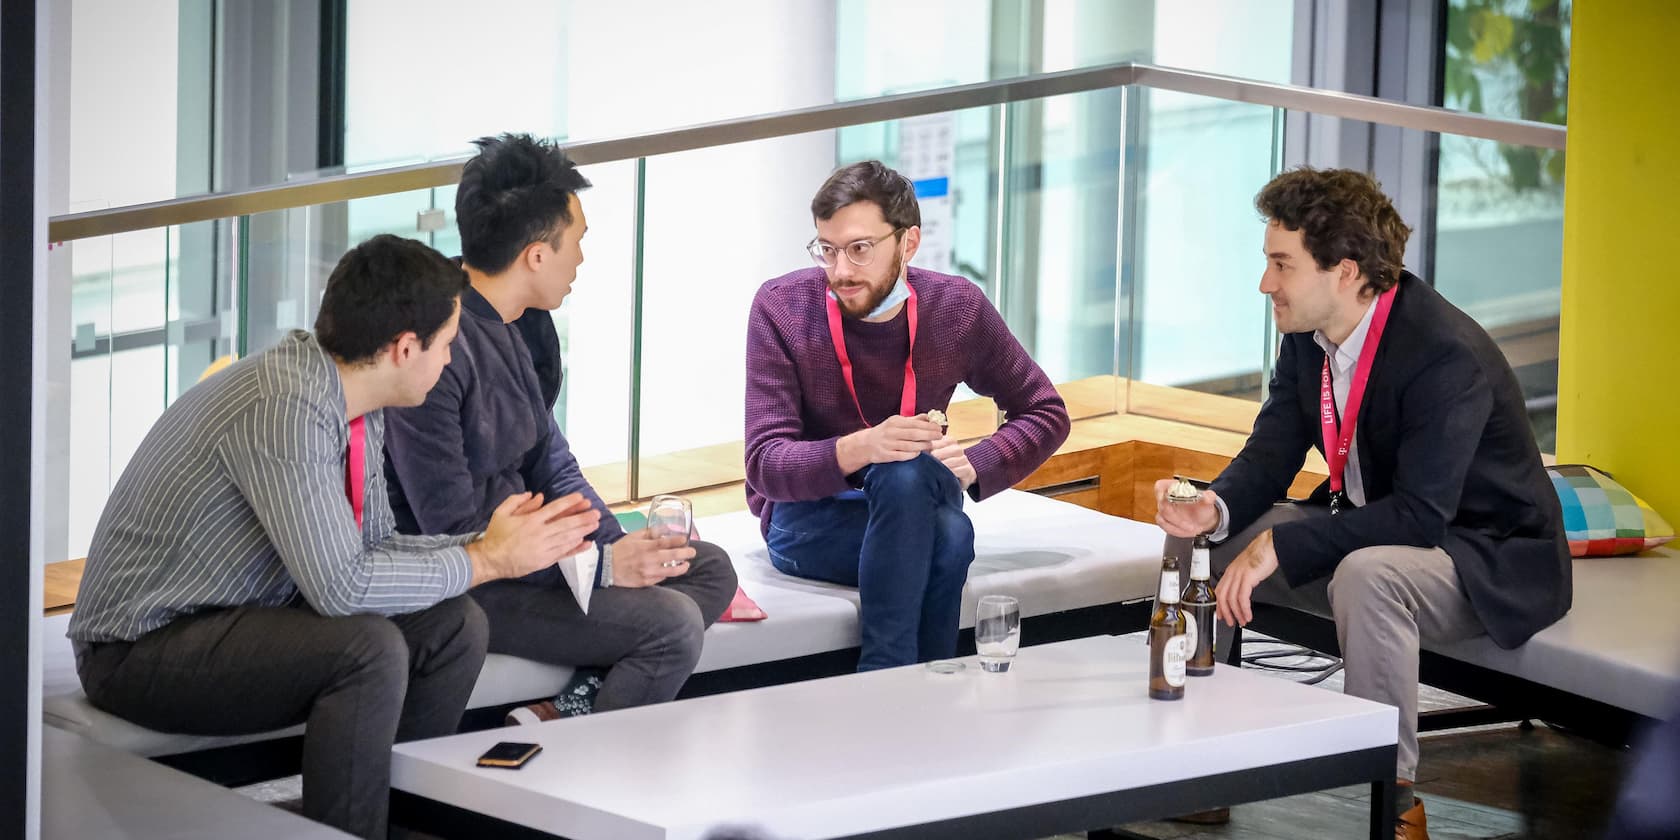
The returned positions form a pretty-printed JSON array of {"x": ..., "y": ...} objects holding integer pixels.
[{"x": 334, "y": 188}]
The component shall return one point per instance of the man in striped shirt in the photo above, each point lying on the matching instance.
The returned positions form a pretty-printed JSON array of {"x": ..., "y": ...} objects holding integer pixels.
[{"x": 246, "y": 575}]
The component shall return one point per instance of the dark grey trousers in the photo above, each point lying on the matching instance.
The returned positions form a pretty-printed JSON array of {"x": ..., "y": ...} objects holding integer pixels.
[
  {"x": 649, "y": 638},
  {"x": 361, "y": 683}
]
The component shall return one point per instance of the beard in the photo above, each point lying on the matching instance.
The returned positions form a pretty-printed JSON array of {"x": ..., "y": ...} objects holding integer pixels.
[
  {"x": 1303, "y": 314},
  {"x": 876, "y": 295}
]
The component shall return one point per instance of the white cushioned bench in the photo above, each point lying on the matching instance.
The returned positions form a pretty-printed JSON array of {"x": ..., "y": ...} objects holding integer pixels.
[
  {"x": 1619, "y": 644},
  {"x": 1618, "y": 647},
  {"x": 1053, "y": 556}
]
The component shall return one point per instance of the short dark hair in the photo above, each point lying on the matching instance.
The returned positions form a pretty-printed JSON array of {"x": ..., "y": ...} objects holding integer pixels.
[
  {"x": 381, "y": 289},
  {"x": 869, "y": 180},
  {"x": 515, "y": 191},
  {"x": 1342, "y": 215}
]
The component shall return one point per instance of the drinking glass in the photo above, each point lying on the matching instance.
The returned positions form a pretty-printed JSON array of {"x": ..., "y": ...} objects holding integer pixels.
[
  {"x": 997, "y": 631},
  {"x": 670, "y": 516}
]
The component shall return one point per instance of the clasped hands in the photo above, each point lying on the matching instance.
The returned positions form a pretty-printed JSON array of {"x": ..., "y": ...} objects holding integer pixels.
[
  {"x": 526, "y": 535},
  {"x": 902, "y": 439}
]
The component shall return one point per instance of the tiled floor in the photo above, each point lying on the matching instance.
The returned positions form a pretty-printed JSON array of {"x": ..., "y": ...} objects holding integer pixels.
[{"x": 1503, "y": 782}]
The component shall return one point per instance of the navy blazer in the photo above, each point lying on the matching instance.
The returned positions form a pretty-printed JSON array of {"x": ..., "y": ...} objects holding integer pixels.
[{"x": 1447, "y": 458}]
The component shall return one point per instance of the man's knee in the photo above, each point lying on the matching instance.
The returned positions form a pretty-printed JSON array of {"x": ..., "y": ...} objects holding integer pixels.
[
  {"x": 472, "y": 626},
  {"x": 711, "y": 581},
  {"x": 920, "y": 477},
  {"x": 453, "y": 625},
  {"x": 374, "y": 645},
  {"x": 1366, "y": 573},
  {"x": 956, "y": 539},
  {"x": 677, "y": 626},
  {"x": 712, "y": 563}
]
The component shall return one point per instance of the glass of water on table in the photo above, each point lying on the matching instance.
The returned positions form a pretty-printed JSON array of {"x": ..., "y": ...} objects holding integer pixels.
[{"x": 997, "y": 631}]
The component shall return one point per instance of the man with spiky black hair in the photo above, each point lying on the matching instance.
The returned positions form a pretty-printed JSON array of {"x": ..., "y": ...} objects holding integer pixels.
[{"x": 488, "y": 429}]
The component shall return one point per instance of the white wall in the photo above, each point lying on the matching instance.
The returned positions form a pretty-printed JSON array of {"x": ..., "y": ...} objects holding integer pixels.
[
  {"x": 719, "y": 221},
  {"x": 122, "y": 102},
  {"x": 426, "y": 77}
]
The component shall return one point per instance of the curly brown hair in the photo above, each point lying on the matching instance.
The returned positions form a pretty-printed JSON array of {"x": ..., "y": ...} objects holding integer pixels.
[
  {"x": 1342, "y": 215},
  {"x": 869, "y": 180}
]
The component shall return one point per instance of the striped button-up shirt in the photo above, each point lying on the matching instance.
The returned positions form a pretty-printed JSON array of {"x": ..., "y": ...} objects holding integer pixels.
[{"x": 237, "y": 497}]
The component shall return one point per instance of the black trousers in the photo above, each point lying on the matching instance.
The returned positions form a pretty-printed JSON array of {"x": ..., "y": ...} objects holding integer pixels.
[{"x": 361, "y": 683}]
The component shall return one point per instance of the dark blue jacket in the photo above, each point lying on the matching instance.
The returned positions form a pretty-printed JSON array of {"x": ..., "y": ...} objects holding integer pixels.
[{"x": 486, "y": 431}]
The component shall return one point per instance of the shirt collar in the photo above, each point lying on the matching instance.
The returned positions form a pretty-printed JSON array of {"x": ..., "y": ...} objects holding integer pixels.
[
  {"x": 1348, "y": 353},
  {"x": 472, "y": 301}
]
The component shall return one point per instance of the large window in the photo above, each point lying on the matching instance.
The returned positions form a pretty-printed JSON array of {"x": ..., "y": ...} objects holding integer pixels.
[
  {"x": 1499, "y": 222},
  {"x": 222, "y": 96}
]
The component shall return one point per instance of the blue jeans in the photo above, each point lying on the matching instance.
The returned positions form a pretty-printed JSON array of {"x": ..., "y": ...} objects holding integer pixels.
[{"x": 906, "y": 545}]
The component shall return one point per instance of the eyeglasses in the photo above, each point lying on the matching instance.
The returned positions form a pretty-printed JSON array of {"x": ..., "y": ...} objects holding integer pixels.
[{"x": 860, "y": 253}]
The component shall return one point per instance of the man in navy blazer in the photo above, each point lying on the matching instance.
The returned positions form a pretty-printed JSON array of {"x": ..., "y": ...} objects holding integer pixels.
[{"x": 1439, "y": 522}]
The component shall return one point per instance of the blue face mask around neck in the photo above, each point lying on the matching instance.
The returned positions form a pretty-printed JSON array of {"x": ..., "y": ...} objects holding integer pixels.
[{"x": 899, "y": 294}]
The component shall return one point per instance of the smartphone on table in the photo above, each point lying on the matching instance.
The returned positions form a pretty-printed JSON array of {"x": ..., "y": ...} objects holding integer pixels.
[{"x": 509, "y": 754}]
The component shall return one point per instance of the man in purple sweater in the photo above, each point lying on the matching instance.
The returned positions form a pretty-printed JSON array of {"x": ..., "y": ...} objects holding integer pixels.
[{"x": 851, "y": 480}]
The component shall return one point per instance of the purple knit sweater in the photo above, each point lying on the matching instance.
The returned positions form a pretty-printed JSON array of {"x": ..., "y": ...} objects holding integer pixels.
[{"x": 798, "y": 405}]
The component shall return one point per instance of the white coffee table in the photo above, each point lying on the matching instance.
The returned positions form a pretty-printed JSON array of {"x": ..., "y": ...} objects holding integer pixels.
[{"x": 1066, "y": 741}]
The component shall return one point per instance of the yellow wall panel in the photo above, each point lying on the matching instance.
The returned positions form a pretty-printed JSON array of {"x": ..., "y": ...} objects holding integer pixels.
[{"x": 1619, "y": 348}]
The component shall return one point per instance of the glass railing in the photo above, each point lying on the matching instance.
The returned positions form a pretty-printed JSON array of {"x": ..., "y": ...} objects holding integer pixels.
[{"x": 1107, "y": 212}]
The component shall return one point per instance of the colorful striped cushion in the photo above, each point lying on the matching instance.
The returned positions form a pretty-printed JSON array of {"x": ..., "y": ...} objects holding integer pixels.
[{"x": 1601, "y": 517}]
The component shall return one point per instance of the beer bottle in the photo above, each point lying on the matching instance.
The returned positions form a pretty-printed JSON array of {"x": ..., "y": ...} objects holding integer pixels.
[
  {"x": 1198, "y": 604},
  {"x": 1167, "y": 641}
]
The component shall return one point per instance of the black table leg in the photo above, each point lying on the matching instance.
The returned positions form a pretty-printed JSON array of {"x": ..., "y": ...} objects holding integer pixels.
[
  {"x": 1233, "y": 656},
  {"x": 1382, "y": 808}
]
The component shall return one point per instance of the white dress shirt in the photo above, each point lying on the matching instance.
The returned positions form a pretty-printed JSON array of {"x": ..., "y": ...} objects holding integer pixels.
[{"x": 1343, "y": 360}]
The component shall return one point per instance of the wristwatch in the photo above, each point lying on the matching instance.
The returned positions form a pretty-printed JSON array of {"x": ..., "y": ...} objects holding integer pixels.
[{"x": 606, "y": 565}]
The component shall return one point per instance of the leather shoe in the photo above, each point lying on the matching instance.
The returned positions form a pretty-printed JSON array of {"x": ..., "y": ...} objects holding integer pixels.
[
  {"x": 1212, "y": 816},
  {"x": 1412, "y": 825}
]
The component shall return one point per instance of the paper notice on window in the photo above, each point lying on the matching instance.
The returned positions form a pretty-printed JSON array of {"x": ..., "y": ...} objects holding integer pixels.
[{"x": 579, "y": 570}]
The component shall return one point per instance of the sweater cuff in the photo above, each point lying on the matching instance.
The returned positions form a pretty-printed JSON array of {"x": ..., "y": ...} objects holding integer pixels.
[
  {"x": 457, "y": 569},
  {"x": 816, "y": 474},
  {"x": 990, "y": 475}
]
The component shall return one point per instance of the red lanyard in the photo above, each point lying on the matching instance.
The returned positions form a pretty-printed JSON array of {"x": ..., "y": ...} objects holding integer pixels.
[
  {"x": 907, "y": 399},
  {"x": 355, "y": 468},
  {"x": 1337, "y": 441}
]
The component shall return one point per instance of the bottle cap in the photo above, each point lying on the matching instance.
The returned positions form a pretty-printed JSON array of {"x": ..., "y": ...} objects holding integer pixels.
[{"x": 1183, "y": 491}]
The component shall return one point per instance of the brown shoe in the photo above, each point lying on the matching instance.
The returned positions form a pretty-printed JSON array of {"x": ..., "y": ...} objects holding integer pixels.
[
  {"x": 1412, "y": 825},
  {"x": 533, "y": 714},
  {"x": 1212, "y": 816}
]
